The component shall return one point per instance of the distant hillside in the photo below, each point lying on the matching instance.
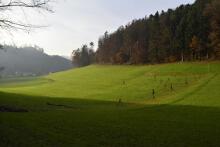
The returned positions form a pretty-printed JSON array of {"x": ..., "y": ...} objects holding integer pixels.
[{"x": 28, "y": 61}]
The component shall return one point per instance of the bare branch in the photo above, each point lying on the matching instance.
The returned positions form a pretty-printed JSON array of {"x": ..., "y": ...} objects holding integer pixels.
[
  {"x": 35, "y": 4},
  {"x": 24, "y": 4},
  {"x": 14, "y": 25}
]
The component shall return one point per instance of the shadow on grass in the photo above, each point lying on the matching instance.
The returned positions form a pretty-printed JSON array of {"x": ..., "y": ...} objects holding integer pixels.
[
  {"x": 41, "y": 103},
  {"x": 102, "y": 123}
]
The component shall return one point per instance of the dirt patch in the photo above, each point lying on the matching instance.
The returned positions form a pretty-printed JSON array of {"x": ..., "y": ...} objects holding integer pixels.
[{"x": 12, "y": 109}]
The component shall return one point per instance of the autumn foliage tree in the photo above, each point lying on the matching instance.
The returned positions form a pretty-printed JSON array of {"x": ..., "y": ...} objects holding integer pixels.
[
  {"x": 190, "y": 32},
  {"x": 213, "y": 12},
  {"x": 83, "y": 56},
  {"x": 196, "y": 48}
]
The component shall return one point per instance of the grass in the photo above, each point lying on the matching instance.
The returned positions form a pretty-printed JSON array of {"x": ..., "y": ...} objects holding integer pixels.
[{"x": 83, "y": 107}]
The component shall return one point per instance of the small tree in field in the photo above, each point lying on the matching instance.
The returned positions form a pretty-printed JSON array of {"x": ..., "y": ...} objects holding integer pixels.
[
  {"x": 171, "y": 87},
  {"x": 153, "y": 93}
]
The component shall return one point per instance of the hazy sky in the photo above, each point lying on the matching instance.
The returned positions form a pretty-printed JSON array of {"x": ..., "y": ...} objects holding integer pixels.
[{"x": 76, "y": 22}]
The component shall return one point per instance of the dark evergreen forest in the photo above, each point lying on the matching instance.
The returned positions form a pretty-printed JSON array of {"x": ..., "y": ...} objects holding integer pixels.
[{"x": 188, "y": 33}]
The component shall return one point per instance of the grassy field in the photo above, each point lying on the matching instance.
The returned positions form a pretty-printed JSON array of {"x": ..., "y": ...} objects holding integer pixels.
[{"x": 81, "y": 107}]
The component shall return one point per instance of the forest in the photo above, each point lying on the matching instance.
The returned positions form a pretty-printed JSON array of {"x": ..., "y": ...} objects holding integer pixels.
[{"x": 188, "y": 33}]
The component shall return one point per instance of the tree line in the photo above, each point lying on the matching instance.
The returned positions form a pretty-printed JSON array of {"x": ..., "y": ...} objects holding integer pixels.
[
  {"x": 83, "y": 56},
  {"x": 188, "y": 33}
]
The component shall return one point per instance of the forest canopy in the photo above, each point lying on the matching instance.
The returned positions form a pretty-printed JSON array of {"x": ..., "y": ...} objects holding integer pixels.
[{"x": 190, "y": 32}]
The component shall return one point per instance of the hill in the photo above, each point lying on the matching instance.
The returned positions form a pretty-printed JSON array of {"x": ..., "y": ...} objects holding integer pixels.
[
  {"x": 29, "y": 61},
  {"x": 108, "y": 82},
  {"x": 187, "y": 33},
  {"x": 105, "y": 105}
]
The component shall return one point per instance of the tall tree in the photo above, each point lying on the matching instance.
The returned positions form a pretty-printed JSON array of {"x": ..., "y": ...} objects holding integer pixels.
[
  {"x": 83, "y": 56},
  {"x": 213, "y": 11},
  {"x": 196, "y": 47}
]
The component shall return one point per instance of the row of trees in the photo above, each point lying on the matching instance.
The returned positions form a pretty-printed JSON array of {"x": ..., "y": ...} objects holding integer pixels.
[
  {"x": 190, "y": 32},
  {"x": 84, "y": 56}
]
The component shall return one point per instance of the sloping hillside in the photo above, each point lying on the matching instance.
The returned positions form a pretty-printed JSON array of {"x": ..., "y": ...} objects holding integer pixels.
[
  {"x": 87, "y": 107},
  {"x": 82, "y": 107},
  {"x": 128, "y": 83}
]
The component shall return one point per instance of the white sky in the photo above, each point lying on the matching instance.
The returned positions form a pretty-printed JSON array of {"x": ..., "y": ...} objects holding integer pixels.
[{"x": 76, "y": 22}]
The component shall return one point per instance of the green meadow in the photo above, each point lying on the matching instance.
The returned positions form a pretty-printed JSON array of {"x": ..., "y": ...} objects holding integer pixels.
[{"x": 114, "y": 106}]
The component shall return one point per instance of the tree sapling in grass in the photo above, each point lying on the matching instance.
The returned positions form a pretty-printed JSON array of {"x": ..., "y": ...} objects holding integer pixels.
[
  {"x": 119, "y": 101},
  {"x": 153, "y": 93},
  {"x": 171, "y": 87}
]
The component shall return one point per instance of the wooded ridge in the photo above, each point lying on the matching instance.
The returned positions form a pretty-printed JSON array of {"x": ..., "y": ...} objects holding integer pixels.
[{"x": 190, "y": 32}]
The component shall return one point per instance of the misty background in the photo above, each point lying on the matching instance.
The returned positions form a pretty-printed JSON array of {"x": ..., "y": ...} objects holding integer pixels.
[{"x": 77, "y": 22}]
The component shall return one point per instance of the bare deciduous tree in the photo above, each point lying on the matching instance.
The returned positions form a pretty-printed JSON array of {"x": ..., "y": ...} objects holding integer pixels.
[{"x": 7, "y": 22}]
